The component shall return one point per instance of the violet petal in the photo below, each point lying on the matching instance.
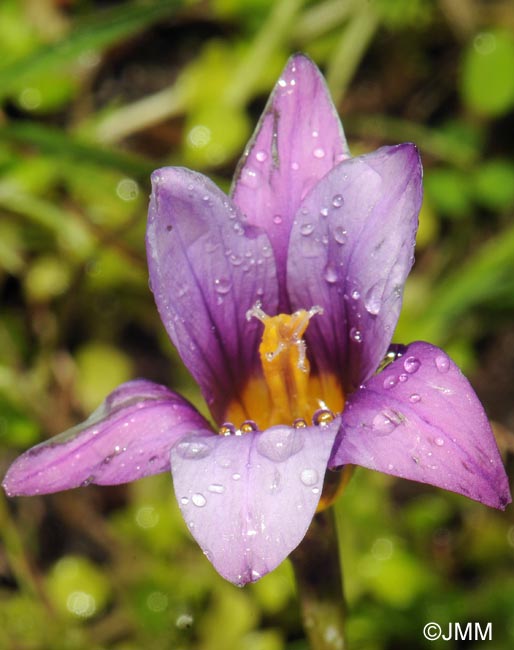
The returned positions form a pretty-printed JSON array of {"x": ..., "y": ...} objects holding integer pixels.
[
  {"x": 351, "y": 249},
  {"x": 207, "y": 268},
  {"x": 299, "y": 138},
  {"x": 248, "y": 500},
  {"x": 420, "y": 419},
  {"x": 129, "y": 436}
]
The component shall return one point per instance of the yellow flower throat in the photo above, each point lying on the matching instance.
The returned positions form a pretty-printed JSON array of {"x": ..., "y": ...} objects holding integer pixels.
[{"x": 286, "y": 392}]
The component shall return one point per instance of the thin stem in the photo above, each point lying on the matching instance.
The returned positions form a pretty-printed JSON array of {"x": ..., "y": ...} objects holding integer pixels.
[{"x": 318, "y": 575}]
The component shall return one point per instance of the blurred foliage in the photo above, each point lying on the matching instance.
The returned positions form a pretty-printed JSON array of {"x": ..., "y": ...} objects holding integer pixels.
[{"x": 94, "y": 95}]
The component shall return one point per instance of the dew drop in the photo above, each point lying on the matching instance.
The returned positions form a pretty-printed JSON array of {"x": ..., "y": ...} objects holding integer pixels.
[
  {"x": 403, "y": 377},
  {"x": 309, "y": 477},
  {"x": 222, "y": 285},
  {"x": 356, "y": 335},
  {"x": 216, "y": 488},
  {"x": 280, "y": 444},
  {"x": 192, "y": 448},
  {"x": 184, "y": 501},
  {"x": 277, "y": 219},
  {"x": 235, "y": 260},
  {"x": 340, "y": 235},
  {"x": 330, "y": 273},
  {"x": 236, "y": 476},
  {"x": 306, "y": 229},
  {"x": 383, "y": 424},
  {"x": 355, "y": 295},
  {"x": 250, "y": 178},
  {"x": 337, "y": 200},
  {"x": 390, "y": 381},
  {"x": 323, "y": 212},
  {"x": 414, "y": 398},
  {"x": 261, "y": 156},
  {"x": 439, "y": 442},
  {"x": 198, "y": 499},
  {"x": 295, "y": 166},
  {"x": 411, "y": 365},
  {"x": 319, "y": 153},
  {"x": 373, "y": 299},
  {"x": 442, "y": 363}
]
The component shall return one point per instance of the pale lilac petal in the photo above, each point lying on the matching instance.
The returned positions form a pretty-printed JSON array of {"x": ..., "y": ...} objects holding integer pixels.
[
  {"x": 249, "y": 500},
  {"x": 207, "y": 268},
  {"x": 351, "y": 249},
  {"x": 129, "y": 436},
  {"x": 420, "y": 419},
  {"x": 298, "y": 140}
]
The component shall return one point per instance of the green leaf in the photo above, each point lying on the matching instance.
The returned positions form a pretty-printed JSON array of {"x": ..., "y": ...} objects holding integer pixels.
[
  {"x": 487, "y": 80},
  {"x": 62, "y": 145},
  {"x": 493, "y": 185},
  {"x": 104, "y": 29}
]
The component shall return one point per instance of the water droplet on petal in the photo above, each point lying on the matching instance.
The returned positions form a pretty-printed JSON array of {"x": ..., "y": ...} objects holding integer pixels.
[
  {"x": 355, "y": 294},
  {"x": 250, "y": 178},
  {"x": 411, "y": 365},
  {"x": 280, "y": 443},
  {"x": 236, "y": 476},
  {"x": 319, "y": 152},
  {"x": 337, "y": 200},
  {"x": 184, "y": 501},
  {"x": 323, "y": 212},
  {"x": 439, "y": 442},
  {"x": 261, "y": 156},
  {"x": 306, "y": 229},
  {"x": 198, "y": 499},
  {"x": 309, "y": 477},
  {"x": 222, "y": 285},
  {"x": 414, "y": 398},
  {"x": 193, "y": 448},
  {"x": 216, "y": 488},
  {"x": 277, "y": 219},
  {"x": 340, "y": 235},
  {"x": 356, "y": 335},
  {"x": 384, "y": 423},
  {"x": 390, "y": 381},
  {"x": 330, "y": 273},
  {"x": 373, "y": 299},
  {"x": 403, "y": 377},
  {"x": 442, "y": 363}
]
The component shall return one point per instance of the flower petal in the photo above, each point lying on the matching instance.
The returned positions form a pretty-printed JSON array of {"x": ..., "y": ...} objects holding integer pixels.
[
  {"x": 207, "y": 268},
  {"x": 298, "y": 140},
  {"x": 350, "y": 252},
  {"x": 129, "y": 436},
  {"x": 249, "y": 500},
  {"x": 420, "y": 419}
]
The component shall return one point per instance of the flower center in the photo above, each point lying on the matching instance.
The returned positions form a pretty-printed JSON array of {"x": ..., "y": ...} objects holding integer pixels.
[{"x": 286, "y": 392}]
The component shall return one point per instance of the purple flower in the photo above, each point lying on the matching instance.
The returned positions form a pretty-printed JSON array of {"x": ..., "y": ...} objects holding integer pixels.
[{"x": 282, "y": 300}]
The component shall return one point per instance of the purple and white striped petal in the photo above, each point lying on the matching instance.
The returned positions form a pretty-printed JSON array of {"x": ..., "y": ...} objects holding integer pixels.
[
  {"x": 298, "y": 140},
  {"x": 248, "y": 500},
  {"x": 420, "y": 419},
  {"x": 207, "y": 268},
  {"x": 129, "y": 436},
  {"x": 351, "y": 249}
]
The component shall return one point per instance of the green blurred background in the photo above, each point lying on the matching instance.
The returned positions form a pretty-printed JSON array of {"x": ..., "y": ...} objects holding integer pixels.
[{"x": 94, "y": 95}]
